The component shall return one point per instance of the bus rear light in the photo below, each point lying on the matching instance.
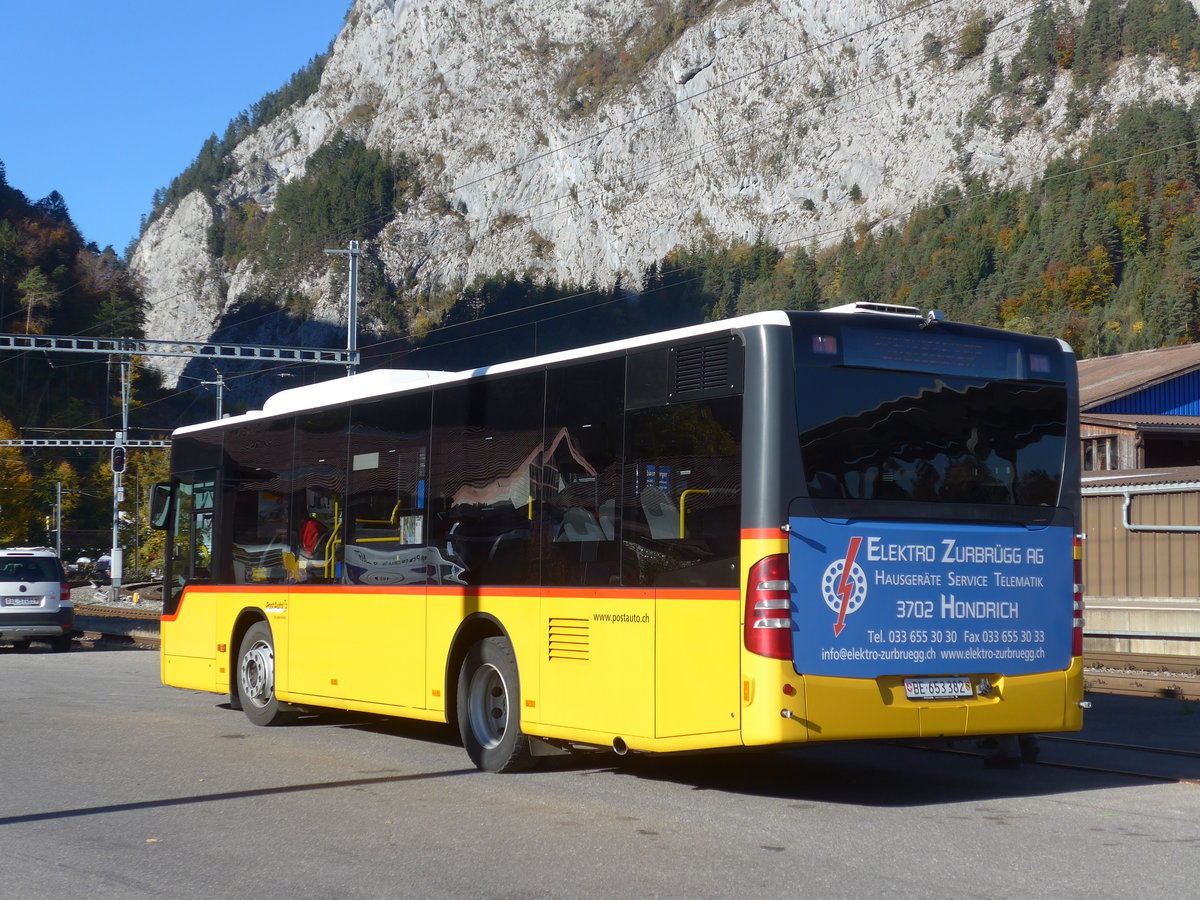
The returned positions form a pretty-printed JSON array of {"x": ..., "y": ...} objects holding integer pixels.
[
  {"x": 775, "y": 586},
  {"x": 768, "y": 629},
  {"x": 1077, "y": 617}
]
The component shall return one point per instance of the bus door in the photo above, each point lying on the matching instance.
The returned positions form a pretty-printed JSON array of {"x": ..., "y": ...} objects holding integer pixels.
[
  {"x": 188, "y": 652},
  {"x": 682, "y": 517},
  {"x": 598, "y": 669},
  {"x": 331, "y": 628},
  {"x": 358, "y": 607}
]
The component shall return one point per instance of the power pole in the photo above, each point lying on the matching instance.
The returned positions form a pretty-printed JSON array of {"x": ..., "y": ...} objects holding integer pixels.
[
  {"x": 352, "y": 313},
  {"x": 58, "y": 519},
  {"x": 220, "y": 385},
  {"x": 118, "y": 561}
]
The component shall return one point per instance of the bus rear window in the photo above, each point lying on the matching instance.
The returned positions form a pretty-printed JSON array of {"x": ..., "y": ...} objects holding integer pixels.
[{"x": 867, "y": 434}]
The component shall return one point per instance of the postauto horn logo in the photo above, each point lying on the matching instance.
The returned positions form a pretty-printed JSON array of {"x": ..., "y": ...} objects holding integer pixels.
[{"x": 844, "y": 585}]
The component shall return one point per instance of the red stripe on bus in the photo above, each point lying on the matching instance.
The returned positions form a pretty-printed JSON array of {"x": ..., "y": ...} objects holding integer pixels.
[
  {"x": 763, "y": 534},
  {"x": 566, "y": 593},
  {"x": 699, "y": 594}
]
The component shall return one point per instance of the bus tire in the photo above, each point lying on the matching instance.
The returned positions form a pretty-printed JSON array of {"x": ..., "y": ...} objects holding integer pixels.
[
  {"x": 256, "y": 676},
  {"x": 489, "y": 708}
]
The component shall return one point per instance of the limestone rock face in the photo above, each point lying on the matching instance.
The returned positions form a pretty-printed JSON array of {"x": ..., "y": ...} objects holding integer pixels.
[
  {"x": 584, "y": 139},
  {"x": 182, "y": 280}
]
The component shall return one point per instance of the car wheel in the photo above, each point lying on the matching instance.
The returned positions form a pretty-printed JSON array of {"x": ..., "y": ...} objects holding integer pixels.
[
  {"x": 489, "y": 708},
  {"x": 61, "y": 644},
  {"x": 256, "y": 676}
]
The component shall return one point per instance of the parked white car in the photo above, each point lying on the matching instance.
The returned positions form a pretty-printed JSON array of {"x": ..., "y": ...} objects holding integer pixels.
[{"x": 35, "y": 598}]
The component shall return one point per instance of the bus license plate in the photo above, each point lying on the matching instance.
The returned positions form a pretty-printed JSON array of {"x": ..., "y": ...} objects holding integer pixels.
[
  {"x": 937, "y": 688},
  {"x": 21, "y": 601}
]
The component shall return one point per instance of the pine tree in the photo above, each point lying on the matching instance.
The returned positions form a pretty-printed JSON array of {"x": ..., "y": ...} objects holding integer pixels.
[
  {"x": 54, "y": 206},
  {"x": 1099, "y": 43}
]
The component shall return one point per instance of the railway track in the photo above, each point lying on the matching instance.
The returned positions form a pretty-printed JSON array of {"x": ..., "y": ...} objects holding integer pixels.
[
  {"x": 1167, "y": 764},
  {"x": 1172, "y": 764},
  {"x": 116, "y": 612},
  {"x": 1115, "y": 745},
  {"x": 106, "y": 626},
  {"x": 1143, "y": 675}
]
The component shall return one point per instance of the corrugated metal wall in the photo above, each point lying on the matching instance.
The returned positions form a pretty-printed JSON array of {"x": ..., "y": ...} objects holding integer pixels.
[
  {"x": 1122, "y": 563},
  {"x": 1179, "y": 396}
]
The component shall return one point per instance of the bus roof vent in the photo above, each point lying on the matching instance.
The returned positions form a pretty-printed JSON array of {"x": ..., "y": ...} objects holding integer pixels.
[{"x": 881, "y": 309}]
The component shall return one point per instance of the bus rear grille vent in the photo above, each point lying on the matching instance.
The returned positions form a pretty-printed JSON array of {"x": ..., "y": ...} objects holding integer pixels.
[
  {"x": 569, "y": 639},
  {"x": 702, "y": 368},
  {"x": 711, "y": 368}
]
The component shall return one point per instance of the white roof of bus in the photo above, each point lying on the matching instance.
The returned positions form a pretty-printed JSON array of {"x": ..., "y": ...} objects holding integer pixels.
[{"x": 378, "y": 382}]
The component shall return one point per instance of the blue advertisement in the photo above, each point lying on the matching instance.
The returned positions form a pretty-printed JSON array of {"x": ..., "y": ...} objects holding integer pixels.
[{"x": 890, "y": 598}]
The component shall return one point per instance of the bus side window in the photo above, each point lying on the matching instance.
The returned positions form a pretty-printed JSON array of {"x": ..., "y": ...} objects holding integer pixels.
[
  {"x": 181, "y": 544},
  {"x": 682, "y": 494},
  {"x": 202, "y": 554},
  {"x": 386, "y": 532},
  {"x": 487, "y": 453},
  {"x": 317, "y": 534},
  {"x": 581, "y": 474},
  {"x": 192, "y": 547},
  {"x": 258, "y": 484}
]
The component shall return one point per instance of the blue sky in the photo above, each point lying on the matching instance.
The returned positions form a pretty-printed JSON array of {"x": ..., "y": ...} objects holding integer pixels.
[{"x": 105, "y": 102}]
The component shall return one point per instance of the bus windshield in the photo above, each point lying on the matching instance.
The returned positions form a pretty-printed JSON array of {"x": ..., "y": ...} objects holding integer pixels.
[{"x": 891, "y": 433}]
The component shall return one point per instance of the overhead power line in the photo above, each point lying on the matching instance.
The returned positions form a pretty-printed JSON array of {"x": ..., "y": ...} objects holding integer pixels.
[
  {"x": 84, "y": 442},
  {"x": 138, "y": 347}
]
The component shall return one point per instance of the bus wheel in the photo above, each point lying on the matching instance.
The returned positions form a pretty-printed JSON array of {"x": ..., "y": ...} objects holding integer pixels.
[
  {"x": 489, "y": 708},
  {"x": 256, "y": 676}
]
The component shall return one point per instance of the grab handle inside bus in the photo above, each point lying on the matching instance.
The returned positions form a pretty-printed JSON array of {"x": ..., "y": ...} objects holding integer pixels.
[{"x": 683, "y": 509}]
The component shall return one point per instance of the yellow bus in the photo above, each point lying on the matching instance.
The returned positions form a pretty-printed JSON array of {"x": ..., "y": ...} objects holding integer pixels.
[{"x": 770, "y": 530}]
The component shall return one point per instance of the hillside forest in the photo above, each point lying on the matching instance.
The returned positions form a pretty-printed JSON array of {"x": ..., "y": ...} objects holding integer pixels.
[{"x": 53, "y": 282}]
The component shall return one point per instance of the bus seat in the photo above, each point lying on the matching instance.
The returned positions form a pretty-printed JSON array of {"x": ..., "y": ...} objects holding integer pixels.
[
  {"x": 578, "y": 524},
  {"x": 608, "y": 518},
  {"x": 661, "y": 514}
]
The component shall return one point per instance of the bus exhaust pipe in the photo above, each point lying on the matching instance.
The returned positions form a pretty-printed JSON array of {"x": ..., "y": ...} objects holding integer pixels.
[{"x": 620, "y": 747}]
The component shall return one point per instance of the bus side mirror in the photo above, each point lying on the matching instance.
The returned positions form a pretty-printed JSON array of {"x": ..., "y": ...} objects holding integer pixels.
[{"x": 161, "y": 497}]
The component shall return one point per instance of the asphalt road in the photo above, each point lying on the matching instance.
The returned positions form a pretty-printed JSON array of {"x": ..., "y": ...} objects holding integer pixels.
[{"x": 115, "y": 786}]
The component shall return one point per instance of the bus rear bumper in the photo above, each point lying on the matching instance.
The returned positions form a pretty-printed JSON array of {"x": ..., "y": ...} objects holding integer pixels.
[{"x": 837, "y": 709}]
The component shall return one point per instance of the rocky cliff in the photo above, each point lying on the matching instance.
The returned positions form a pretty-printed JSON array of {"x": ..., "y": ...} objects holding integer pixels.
[{"x": 585, "y": 140}]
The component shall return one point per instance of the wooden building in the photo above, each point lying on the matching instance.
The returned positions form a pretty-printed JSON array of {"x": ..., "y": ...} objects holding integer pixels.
[
  {"x": 1141, "y": 410},
  {"x": 1140, "y": 444}
]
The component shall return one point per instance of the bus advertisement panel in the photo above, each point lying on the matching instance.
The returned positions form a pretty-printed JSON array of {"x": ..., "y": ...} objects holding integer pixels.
[{"x": 895, "y": 598}]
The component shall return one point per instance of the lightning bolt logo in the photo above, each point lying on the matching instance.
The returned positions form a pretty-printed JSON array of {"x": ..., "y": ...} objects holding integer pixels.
[
  {"x": 846, "y": 588},
  {"x": 844, "y": 585}
]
